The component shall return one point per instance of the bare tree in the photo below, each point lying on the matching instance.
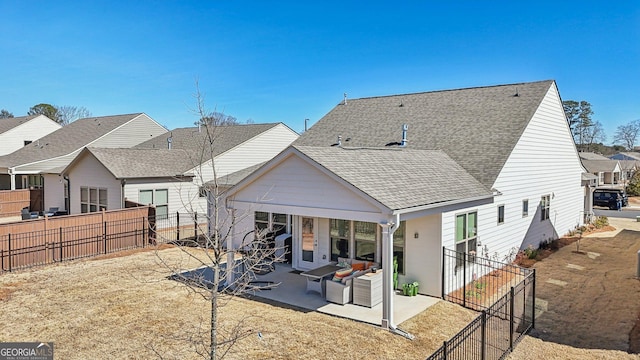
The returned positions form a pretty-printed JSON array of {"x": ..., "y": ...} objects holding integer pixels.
[
  {"x": 593, "y": 135},
  {"x": 223, "y": 272},
  {"x": 627, "y": 134},
  {"x": 68, "y": 113}
]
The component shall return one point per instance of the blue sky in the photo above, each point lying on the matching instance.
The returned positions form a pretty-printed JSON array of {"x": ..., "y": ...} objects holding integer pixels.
[{"x": 278, "y": 61}]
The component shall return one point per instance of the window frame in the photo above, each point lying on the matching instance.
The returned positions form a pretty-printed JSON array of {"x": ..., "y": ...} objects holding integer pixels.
[
  {"x": 466, "y": 239},
  {"x": 501, "y": 214},
  {"x": 93, "y": 199},
  {"x": 525, "y": 208},
  {"x": 160, "y": 215},
  {"x": 545, "y": 207},
  {"x": 335, "y": 252},
  {"x": 359, "y": 241}
]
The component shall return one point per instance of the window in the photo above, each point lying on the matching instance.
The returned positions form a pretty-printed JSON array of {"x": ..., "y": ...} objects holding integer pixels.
[
  {"x": 525, "y": 207},
  {"x": 545, "y": 204},
  {"x": 500, "y": 214},
  {"x": 261, "y": 220},
  {"x": 202, "y": 191},
  {"x": 157, "y": 197},
  {"x": 34, "y": 181},
  {"x": 92, "y": 199},
  {"x": 340, "y": 231},
  {"x": 398, "y": 246},
  {"x": 278, "y": 223},
  {"x": 365, "y": 240},
  {"x": 466, "y": 236},
  {"x": 162, "y": 203}
]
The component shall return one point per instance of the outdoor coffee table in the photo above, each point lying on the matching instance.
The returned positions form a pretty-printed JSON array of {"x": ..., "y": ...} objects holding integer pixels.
[{"x": 315, "y": 277}]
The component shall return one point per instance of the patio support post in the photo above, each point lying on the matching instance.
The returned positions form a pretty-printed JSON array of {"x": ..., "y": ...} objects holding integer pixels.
[
  {"x": 387, "y": 276},
  {"x": 230, "y": 276}
]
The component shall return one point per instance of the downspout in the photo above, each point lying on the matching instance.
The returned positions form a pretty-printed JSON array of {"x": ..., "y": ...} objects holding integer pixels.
[
  {"x": 67, "y": 204},
  {"x": 123, "y": 204},
  {"x": 388, "y": 229}
]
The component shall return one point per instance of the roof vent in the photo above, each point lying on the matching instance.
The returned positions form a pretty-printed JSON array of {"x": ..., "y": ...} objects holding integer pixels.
[
  {"x": 405, "y": 127},
  {"x": 339, "y": 143},
  {"x": 345, "y": 99},
  {"x": 517, "y": 93},
  {"x": 169, "y": 141}
]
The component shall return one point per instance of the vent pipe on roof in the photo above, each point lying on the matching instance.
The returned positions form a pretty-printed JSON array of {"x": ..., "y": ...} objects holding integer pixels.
[
  {"x": 345, "y": 98},
  {"x": 169, "y": 141},
  {"x": 339, "y": 140},
  {"x": 405, "y": 127}
]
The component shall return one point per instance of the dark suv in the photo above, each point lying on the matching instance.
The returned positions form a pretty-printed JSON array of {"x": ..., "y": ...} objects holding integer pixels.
[{"x": 609, "y": 197}]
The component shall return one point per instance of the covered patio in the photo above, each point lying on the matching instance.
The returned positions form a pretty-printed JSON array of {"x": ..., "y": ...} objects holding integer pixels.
[{"x": 291, "y": 290}]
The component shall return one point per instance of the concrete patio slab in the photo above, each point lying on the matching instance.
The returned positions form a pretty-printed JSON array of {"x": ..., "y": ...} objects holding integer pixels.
[{"x": 291, "y": 290}]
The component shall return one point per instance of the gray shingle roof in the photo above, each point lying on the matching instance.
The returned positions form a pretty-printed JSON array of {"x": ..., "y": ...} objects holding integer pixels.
[
  {"x": 66, "y": 140},
  {"x": 399, "y": 178},
  {"x": 599, "y": 165},
  {"x": 476, "y": 127},
  {"x": 234, "y": 178},
  {"x": 193, "y": 141},
  {"x": 592, "y": 156},
  {"x": 142, "y": 163},
  {"x": 9, "y": 123}
]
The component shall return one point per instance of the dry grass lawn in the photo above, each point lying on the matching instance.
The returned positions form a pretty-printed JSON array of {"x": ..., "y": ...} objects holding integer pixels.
[{"x": 122, "y": 307}]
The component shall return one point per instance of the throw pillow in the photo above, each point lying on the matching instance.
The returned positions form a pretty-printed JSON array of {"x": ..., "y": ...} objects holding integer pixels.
[{"x": 358, "y": 266}]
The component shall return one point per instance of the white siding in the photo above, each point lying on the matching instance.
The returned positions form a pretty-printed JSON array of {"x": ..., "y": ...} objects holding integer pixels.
[
  {"x": 54, "y": 191},
  {"x": 134, "y": 132},
  {"x": 183, "y": 196},
  {"x": 31, "y": 130},
  {"x": 543, "y": 162},
  {"x": 89, "y": 172},
  {"x": 423, "y": 256},
  {"x": 255, "y": 151},
  {"x": 295, "y": 186}
]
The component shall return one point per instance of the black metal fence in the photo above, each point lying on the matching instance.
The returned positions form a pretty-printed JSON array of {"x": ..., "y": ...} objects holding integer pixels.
[
  {"x": 506, "y": 297},
  {"x": 28, "y": 249}
]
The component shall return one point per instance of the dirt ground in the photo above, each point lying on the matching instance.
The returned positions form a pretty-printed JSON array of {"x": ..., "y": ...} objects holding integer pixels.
[
  {"x": 123, "y": 307},
  {"x": 590, "y": 300}
]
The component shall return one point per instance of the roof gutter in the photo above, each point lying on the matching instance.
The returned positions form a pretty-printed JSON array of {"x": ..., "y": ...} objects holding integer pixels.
[{"x": 446, "y": 203}]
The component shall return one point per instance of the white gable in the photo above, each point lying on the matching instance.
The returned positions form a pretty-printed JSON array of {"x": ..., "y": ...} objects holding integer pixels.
[{"x": 294, "y": 186}]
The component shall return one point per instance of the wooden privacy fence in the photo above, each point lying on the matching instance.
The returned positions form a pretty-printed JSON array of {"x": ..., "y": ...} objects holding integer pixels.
[
  {"x": 44, "y": 241},
  {"x": 13, "y": 201}
]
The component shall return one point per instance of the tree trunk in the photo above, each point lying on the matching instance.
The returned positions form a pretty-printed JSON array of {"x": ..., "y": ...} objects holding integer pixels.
[{"x": 214, "y": 313}]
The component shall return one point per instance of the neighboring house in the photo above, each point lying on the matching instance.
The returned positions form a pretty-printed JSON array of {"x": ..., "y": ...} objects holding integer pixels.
[
  {"x": 38, "y": 165},
  {"x": 169, "y": 171},
  {"x": 608, "y": 171},
  {"x": 585, "y": 155},
  {"x": 486, "y": 170},
  {"x": 626, "y": 156},
  {"x": 628, "y": 168},
  {"x": 21, "y": 131}
]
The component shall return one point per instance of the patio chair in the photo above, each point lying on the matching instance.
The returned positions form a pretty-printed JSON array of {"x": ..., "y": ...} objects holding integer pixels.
[{"x": 52, "y": 211}]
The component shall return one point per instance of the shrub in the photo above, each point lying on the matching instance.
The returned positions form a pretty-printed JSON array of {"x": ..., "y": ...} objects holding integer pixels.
[
  {"x": 633, "y": 189},
  {"x": 530, "y": 252},
  {"x": 600, "y": 222}
]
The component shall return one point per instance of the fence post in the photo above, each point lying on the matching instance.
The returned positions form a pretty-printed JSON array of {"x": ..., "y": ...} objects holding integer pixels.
[
  {"x": 444, "y": 259},
  {"x": 177, "y": 226},
  {"x": 483, "y": 335},
  {"x": 104, "y": 236},
  {"x": 60, "y": 244},
  {"x": 533, "y": 296},
  {"x": 444, "y": 350},
  {"x": 144, "y": 240},
  {"x": 9, "y": 252},
  {"x": 464, "y": 279},
  {"x": 511, "y": 310}
]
